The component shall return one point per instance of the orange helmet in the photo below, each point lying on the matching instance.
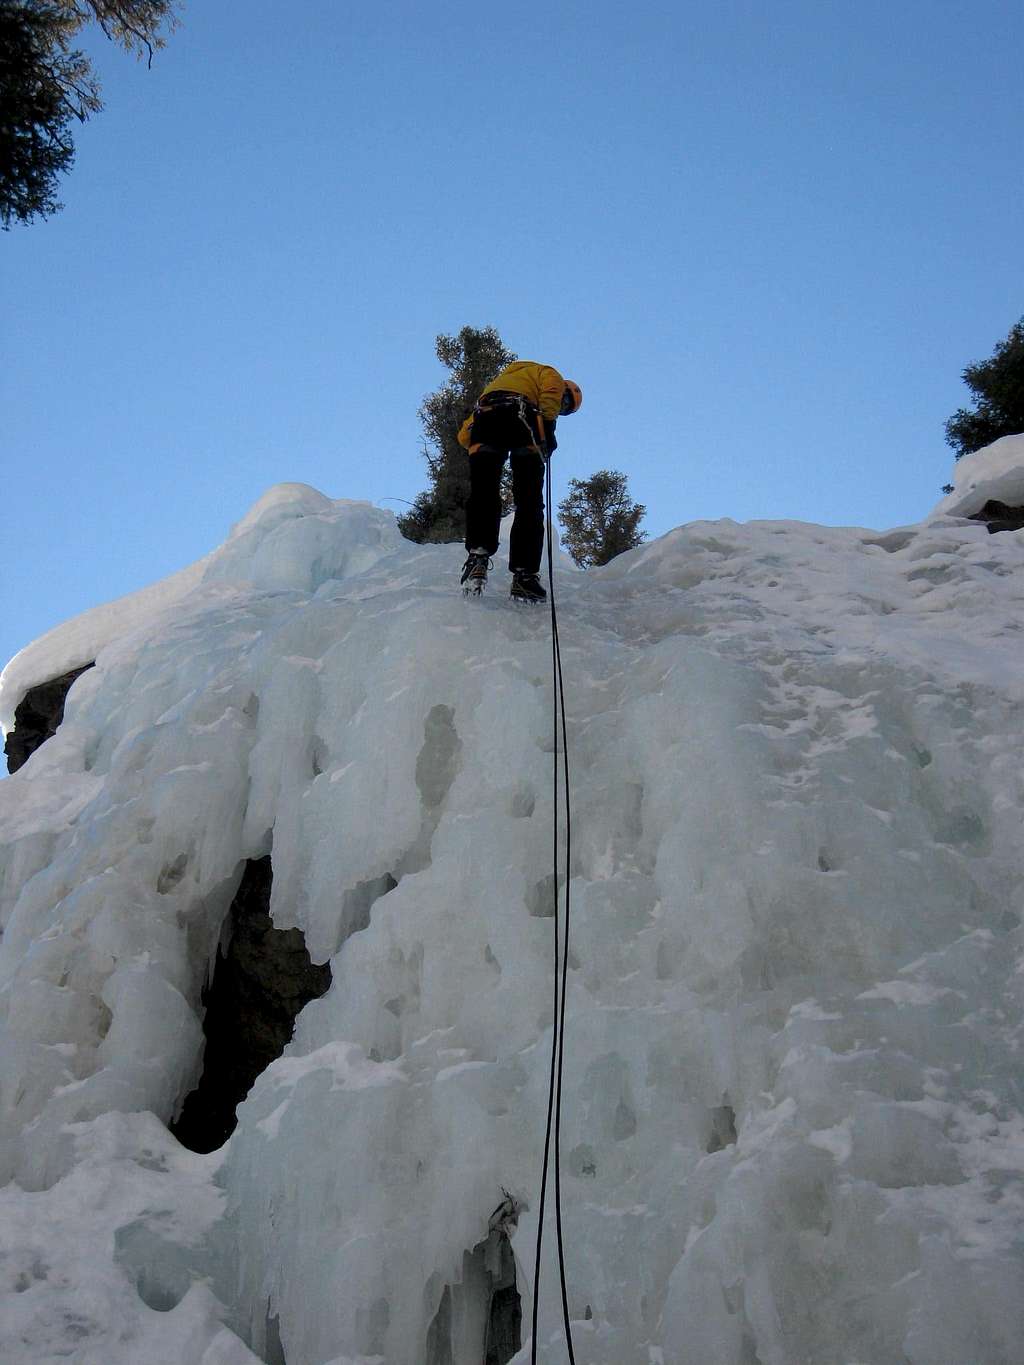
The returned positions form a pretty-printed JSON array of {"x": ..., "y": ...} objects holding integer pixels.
[{"x": 572, "y": 397}]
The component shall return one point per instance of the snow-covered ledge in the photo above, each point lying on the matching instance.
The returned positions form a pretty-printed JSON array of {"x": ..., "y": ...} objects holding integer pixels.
[{"x": 988, "y": 486}]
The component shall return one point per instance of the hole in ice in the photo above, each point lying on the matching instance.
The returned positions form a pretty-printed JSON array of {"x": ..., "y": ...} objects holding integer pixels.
[
  {"x": 38, "y": 716},
  {"x": 438, "y": 760},
  {"x": 490, "y": 959},
  {"x": 624, "y": 1124},
  {"x": 150, "y": 1160},
  {"x": 961, "y": 827},
  {"x": 825, "y": 863},
  {"x": 998, "y": 516},
  {"x": 30, "y": 1275},
  {"x": 524, "y": 801},
  {"x": 77, "y": 1326},
  {"x": 723, "y": 1128},
  {"x": 733, "y": 1296},
  {"x": 923, "y": 756},
  {"x": 273, "y": 1351},
  {"x": 582, "y": 1161},
  {"x": 158, "y": 1266},
  {"x": 319, "y": 761},
  {"x": 504, "y": 1324},
  {"x": 439, "y": 1333},
  {"x": 261, "y": 981},
  {"x": 374, "y": 1325},
  {"x": 358, "y": 902},
  {"x": 540, "y": 899},
  {"x": 171, "y": 874}
]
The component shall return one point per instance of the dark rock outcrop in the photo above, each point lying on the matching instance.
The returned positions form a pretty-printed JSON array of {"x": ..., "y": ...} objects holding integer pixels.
[
  {"x": 260, "y": 982},
  {"x": 998, "y": 517},
  {"x": 37, "y": 716}
]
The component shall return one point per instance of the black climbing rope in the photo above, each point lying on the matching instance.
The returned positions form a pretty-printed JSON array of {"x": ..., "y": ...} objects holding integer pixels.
[{"x": 554, "y": 1118}]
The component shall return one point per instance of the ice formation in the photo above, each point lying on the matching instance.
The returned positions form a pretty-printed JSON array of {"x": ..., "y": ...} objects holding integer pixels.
[
  {"x": 994, "y": 474},
  {"x": 792, "y": 1123}
]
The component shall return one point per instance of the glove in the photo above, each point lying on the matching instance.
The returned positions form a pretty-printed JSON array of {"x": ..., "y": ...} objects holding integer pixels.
[{"x": 550, "y": 444}]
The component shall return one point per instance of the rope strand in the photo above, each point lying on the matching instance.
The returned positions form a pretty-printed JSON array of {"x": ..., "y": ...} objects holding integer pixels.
[{"x": 561, "y": 965}]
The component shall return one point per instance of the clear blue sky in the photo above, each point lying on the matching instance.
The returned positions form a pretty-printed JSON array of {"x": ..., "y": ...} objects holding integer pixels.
[{"x": 764, "y": 237}]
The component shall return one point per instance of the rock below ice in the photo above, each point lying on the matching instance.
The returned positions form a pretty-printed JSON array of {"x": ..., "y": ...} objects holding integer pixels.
[{"x": 792, "y": 1126}]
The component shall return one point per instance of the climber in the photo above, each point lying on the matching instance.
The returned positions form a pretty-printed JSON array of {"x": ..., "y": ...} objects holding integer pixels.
[{"x": 515, "y": 416}]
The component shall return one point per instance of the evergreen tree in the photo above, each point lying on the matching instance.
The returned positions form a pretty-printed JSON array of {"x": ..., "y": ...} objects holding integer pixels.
[
  {"x": 45, "y": 83},
  {"x": 998, "y": 388},
  {"x": 598, "y": 518},
  {"x": 473, "y": 358}
]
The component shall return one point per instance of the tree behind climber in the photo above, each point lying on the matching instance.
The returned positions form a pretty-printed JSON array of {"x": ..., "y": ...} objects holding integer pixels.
[{"x": 515, "y": 416}]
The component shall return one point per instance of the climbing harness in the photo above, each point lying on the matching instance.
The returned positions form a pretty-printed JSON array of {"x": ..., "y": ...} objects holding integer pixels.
[
  {"x": 506, "y": 398},
  {"x": 561, "y": 964}
]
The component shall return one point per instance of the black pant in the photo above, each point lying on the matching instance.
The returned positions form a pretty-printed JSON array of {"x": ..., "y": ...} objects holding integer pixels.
[{"x": 483, "y": 509}]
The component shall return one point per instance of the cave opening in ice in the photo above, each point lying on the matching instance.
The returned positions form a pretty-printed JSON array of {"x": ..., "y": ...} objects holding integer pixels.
[
  {"x": 262, "y": 978},
  {"x": 38, "y": 715}
]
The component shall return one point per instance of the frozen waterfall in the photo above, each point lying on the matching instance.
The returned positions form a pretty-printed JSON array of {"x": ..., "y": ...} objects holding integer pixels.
[{"x": 793, "y": 1123}]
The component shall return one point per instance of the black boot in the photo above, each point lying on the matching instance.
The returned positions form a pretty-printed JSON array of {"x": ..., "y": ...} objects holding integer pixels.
[
  {"x": 474, "y": 572},
  {"x": 527, "y": 587}
]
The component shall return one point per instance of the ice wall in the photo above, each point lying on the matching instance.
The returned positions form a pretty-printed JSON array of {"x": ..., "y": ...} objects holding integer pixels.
[{"x": 792, "y": 1125}]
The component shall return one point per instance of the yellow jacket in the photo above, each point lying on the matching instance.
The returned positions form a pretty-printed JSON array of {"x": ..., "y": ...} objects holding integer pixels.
[{"x": 541, "y": 385}]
